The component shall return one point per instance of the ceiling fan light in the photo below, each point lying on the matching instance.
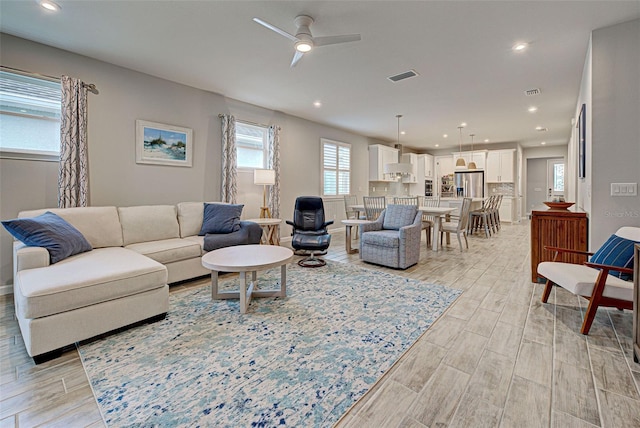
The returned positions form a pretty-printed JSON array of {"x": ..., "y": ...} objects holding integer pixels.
[{"x": 303, "y": 46}]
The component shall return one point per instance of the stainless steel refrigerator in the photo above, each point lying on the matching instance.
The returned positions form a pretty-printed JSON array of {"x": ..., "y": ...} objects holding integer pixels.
[{"x": 469, "y": 183}]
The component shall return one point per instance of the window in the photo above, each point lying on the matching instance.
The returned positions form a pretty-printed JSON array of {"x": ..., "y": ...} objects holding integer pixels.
[
  {"x": 251, "y": 145},
  {"x": 558, "y": 177},
  {"x": 29, "y": 115},
  {"x": 336, "y": 168}
]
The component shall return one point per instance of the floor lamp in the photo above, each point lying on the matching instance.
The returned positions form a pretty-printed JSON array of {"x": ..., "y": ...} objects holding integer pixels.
[{"x": 265, "y": 177}]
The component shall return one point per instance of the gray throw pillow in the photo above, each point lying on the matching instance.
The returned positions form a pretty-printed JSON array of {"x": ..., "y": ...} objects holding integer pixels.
[
  {"x": 221, "y": 218},
  {"x": 49, "y": 231}
]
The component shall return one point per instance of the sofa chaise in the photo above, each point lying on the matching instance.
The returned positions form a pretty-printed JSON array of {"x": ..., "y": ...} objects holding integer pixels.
[{"x": 136, "y": 252}]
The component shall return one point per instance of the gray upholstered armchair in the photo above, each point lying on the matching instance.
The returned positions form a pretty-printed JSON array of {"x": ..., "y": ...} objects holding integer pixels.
[{"x": 392, "y": 240}]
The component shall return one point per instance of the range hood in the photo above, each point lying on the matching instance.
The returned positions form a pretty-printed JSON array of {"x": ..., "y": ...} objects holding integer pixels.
[{"x": 397, "y": 168}]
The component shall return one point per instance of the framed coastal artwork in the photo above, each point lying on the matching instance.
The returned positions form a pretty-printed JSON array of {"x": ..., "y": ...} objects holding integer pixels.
[{"x": 161, "y": 144}]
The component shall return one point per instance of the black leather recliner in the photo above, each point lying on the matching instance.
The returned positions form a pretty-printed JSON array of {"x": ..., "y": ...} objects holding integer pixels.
[{"x": 309, "y": 229}]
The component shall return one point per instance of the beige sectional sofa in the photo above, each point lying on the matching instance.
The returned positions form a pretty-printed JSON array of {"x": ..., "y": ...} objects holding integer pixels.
[{"x": 137, "y": 252}]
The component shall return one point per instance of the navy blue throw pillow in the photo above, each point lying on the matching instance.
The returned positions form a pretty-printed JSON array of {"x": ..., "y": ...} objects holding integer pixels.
[
  {"x": 49, "y": 231},
  {"x": 616, "y": 251},
  {"x": 221, "y": 218}
]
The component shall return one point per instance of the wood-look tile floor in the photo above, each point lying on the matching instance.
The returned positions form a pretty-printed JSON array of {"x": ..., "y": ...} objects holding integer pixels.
[{"x": 497, "y": 358}]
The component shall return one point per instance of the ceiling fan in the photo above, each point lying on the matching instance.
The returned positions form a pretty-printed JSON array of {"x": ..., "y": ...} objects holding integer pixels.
[{"x": 304, "y": 41}]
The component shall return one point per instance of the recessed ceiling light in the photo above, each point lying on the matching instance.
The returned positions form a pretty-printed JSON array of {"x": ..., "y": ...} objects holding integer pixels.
[
  {"x": 519, "y": 47},
  {"x": 532, "y": 109},
  {"x": 317, "y": 104},
  {"x": 463, "y": 124},
  {"x": 538, "y": 128},
  {"x": 437, "y": 145},
  {"x": 403, "y": 132},
  {"x": 543, "y": 143},
  {"x": 445, "y": 136},
  {"x": 486, "y": 140},
  {"x": 49, "y": 5}
]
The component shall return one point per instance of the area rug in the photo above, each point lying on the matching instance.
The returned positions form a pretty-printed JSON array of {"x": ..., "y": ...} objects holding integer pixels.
[{"x": 297, "y": 361}]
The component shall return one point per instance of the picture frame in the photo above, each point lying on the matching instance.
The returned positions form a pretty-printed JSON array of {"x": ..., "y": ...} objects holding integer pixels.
[
  {"x": 162, "y": 144},
  {"x": 582, "y": 141}
]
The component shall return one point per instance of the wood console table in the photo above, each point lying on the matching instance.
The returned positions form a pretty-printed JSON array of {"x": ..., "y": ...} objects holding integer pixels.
[{"x": 557, "y": 228}]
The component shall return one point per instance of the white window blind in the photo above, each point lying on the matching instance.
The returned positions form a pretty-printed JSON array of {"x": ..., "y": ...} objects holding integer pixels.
[
  {"x": 251, "y": 145},
  {"x": 336, "y": 168},
  {"x": 29, "y": 114}
]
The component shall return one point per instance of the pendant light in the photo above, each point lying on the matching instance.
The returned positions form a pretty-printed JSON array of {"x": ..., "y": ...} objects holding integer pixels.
[
  {"x": 472, "y": 164},
  {"x": 460, "y": 162},
  {"x": 397, "y": 170}
]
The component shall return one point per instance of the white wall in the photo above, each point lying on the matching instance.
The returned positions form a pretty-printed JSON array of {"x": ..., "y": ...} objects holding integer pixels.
[
  {"x": 613, "y": 137},
  {"x": 542, "y": 152},
  {"x": 115, "y": 178},
  {"x": 583, "y": 185}
]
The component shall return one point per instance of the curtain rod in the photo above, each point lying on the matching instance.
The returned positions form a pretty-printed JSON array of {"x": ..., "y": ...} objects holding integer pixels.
[
  {"x": 247, "y": 122},
  {"x": 91, "y": 87}
]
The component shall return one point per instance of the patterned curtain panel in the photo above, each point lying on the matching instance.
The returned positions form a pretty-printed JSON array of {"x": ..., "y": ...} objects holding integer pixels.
[
  {"x": 229, "y": 164},
  {"x": 73, "y": 176},
  {"x": 274, "y": 163}
]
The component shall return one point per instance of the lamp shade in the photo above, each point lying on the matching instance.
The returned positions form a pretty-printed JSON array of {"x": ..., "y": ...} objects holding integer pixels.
[{"x": 264, "y": 176}]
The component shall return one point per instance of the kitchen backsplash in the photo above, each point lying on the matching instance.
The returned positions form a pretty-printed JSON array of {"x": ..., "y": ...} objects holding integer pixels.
[
  {"x": 382, "y": 188},
  {"x": 507, "y": 189}
]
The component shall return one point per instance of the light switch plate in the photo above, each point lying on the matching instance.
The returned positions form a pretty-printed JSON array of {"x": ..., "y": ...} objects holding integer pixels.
[{"x": 624, "y": 189}]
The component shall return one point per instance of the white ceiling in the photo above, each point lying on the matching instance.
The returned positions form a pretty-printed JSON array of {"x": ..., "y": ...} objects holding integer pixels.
[{"x": 461, "y": 50}]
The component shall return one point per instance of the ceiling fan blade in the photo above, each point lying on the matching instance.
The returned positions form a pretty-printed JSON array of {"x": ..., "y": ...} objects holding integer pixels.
[
  {"x": 297, "y": 56},
  {"x": 332, "y": 40},
  {"x": 276, "y": 29}
]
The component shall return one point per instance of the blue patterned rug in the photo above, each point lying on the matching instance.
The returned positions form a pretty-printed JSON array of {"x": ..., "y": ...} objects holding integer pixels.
[{"x": 298, "y": 361}]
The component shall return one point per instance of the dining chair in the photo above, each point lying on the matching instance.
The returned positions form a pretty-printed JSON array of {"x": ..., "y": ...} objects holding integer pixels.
[
  {"x": 405, "y": 200},
  {"x": 349, "y": 202},
  {"x": 373, "y": 206},
  {"x": 429, "y": 220},
  {"x": 496, "y": 212},
  {"x": 602, "y": 280},
  {"x": 482, "y": 217},
  {"x": 458, "y": 227}
]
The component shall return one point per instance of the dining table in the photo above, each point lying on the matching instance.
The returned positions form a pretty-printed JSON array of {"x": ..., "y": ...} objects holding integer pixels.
[{"x": 438, "y": 214}]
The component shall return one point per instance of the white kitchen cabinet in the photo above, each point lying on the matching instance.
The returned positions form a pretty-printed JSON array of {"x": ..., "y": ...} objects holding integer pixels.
[
  {"x": 479, "y": 157},
  {"x": 411, "y": 158},
  {"x": 379, "y": 156},
  {"x": 509, "y": 210},
  {"x": 444, "y": 165},
  {"x": 500, "y": 166},
  {"x": 429, "y": 172},
  {"x": 424, "y": 172}
]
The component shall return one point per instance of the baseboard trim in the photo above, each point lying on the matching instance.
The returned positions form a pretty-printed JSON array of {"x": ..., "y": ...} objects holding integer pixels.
[{"x": 6, "y": 289}]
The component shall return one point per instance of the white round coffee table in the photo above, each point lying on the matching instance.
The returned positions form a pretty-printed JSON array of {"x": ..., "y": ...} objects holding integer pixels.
[{"x": 243, "y": 259}]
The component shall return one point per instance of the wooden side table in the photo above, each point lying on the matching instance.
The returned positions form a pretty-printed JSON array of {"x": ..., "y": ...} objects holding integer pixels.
[
  {"x": 270, "y": 230},
  {"x": 557, "y": 228},
  {"x": 349, "y": 223}
]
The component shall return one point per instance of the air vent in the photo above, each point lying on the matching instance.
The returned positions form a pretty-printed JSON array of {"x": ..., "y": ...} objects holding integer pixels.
[
  {"x": 532, "y": 92},
  {"x": 402, "y": 76}
]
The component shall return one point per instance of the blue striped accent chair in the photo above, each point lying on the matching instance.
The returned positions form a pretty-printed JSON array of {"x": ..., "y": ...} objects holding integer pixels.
[{"x": 393, "y": 240}]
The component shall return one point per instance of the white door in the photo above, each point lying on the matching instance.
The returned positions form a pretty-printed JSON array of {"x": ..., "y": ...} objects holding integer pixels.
[{"x": 555, "y": 179}]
